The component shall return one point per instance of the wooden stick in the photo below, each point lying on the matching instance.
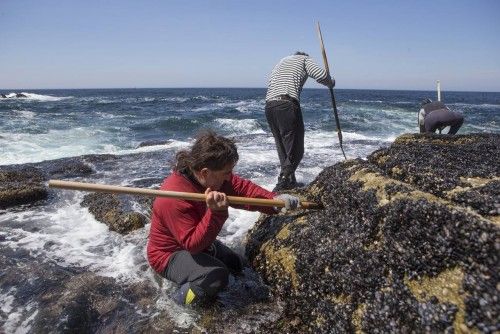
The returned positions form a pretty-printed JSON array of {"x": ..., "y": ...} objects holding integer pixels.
[
  {"x": 332, "y": 95},
  {"x": 171, "y": 194}
]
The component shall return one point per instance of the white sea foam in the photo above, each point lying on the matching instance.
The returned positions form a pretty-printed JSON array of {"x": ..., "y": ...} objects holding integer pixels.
[
  {"x": 470, "y": 106},
  {"x": 101, "y": 100},
  {"x": 72, "y": 237},
  {"x": 259, "y": 159},
  {"x": 36, "y": 97},
  {"x": 358, "y": 136},
  {"x": 416, "y": 104},
  {"x": 27, "y": 147},
  {"x": 25, "y": 114},
  {"x": 203, "y": 98},
  {"x": 258, "y": 153},
  {"x": 240, "y": 126},
  {"x": 367, "y": 101},
  {"x": 107, "y": 115},
  {"x": 182, "y": 316},
  {"x": 18, "y": 148},
  {"x": 320, "y": 139},
  {"x": 171, "y": 144},
  {"x": 490, "y": 127},
  {"x": 238, "y": 224},
  {"x": 176, "y": 99},
  {"x": 6, "y": 301},
  {"x": 17, "y": 323},
  {"x": 246, "y": 106}
]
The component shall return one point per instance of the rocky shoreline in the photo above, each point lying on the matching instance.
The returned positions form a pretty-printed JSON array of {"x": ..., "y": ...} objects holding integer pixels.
[{"x": 408, "y": 241}]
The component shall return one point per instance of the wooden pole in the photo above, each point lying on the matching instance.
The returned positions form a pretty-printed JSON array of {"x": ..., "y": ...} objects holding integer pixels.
[
  {"x": 334, "y": 104},
  {"x": 170, "y": 194}
]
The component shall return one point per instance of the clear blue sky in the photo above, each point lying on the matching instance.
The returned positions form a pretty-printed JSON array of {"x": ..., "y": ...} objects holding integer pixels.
[{"x": 212, "y": 43}]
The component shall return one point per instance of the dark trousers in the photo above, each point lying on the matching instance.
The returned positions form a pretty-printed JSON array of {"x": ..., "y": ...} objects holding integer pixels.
[
  {"x": 287, "y": 126},
  {"x": 442, "y": 118},
  {"x": 207, "y": 272}
]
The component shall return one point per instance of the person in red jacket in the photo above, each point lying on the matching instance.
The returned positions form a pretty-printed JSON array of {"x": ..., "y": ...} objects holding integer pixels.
[{"x": 182, "y": 245}]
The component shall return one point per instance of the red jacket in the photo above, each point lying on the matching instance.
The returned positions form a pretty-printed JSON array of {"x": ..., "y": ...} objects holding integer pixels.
[{"x": 178, "y": 224}]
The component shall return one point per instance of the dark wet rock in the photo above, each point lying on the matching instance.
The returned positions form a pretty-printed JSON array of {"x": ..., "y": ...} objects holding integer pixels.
[
  {"x": 153, "y": 143},
  {"x": 115, "y": 211},
  {"x": 408, "y": 242},
  {"x": 151, "y": 183},
  {"x": 50, "y": 298},
  {"x": 245, "y": 306},
  {"x": 439, "y": 163},
  {"x": 78, "y": 309},
  {"x": 254, "y": 318},
  {"x": 21, "y": 185},
  {"x": 482, "y": 198},
  {"x": 65, "y": 168},
  {"x": 98, "y": 158},
  {"x": 88, "y": 303},
  {"x": 12, "y": 95}
]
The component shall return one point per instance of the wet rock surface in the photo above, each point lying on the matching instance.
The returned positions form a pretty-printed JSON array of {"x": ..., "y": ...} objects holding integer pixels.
[
  {"x": 71, "y": 300},
  {"x": 65, "y": 168},
  {"x": 25, "y": 184},
  {"x": 20, "y": 186},
  {"x": 116, "y": 211},
  {"x": 463, "y": 168},
  {"x": 153, "y": 143},
  {"x": 408, "y": 242}
]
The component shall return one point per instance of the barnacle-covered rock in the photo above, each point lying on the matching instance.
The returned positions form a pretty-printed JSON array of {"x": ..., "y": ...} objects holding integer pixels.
[
  {"x": 408, "y": 242},
  {"x": 114, "y": 210},
  {"x": 21, "y": 186},
  {"x": 25, "y": 184}
]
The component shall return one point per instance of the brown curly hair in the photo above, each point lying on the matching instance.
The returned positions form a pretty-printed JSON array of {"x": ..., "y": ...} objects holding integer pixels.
[{"x": 210, "y": 150}]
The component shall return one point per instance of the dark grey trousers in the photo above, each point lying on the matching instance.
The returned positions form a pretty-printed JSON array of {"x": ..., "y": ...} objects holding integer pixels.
[
  {"x": 207, "y": 272},
  {"x": 287, "y": 126},
  {"x": 442, "y": 118}
]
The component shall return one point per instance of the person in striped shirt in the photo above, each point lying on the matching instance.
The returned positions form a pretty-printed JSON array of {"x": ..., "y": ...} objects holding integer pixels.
[{"x": 283, "y": 112}]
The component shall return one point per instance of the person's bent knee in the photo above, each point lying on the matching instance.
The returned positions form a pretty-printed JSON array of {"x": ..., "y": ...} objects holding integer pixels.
[
  {"x": 214, "y": 281},
  {"x": 201, "y": 291}
]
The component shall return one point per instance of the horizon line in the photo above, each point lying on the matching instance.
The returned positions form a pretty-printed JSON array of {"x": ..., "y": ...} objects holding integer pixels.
[{"x": 308, "y": 88}]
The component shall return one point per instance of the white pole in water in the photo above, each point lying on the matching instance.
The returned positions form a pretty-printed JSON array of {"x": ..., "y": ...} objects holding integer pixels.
[{"x": 439, "y": 90}]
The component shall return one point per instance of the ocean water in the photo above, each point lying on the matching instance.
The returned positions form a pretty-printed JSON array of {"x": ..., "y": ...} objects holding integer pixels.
[{"x": 52, "y": 124}]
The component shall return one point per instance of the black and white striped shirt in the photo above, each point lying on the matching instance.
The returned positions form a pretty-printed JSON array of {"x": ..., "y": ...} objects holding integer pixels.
[{"x": 290, "y": 74}]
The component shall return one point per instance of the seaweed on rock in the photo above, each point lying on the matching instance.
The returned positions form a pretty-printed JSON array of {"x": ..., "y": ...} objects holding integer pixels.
[{"x": 408, "y": 242}]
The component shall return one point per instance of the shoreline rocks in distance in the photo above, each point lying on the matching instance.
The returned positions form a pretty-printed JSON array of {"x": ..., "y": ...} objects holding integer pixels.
[
  {"x": 12, "y": 95},
  {"x": 153, "y": 143},
  {"x": 25, "y": 184}
]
